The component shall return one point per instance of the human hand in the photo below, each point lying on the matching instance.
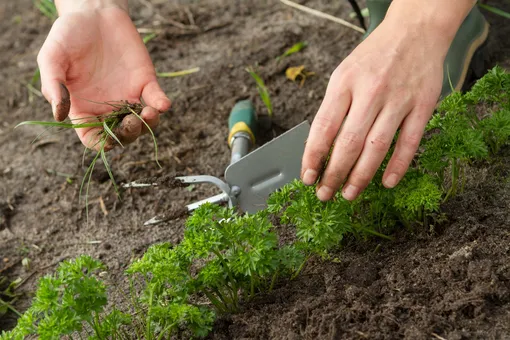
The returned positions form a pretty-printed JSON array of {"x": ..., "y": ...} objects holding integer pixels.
[
  {"x": 99, "y": 56},
  {"x": 392, "y": 80}
]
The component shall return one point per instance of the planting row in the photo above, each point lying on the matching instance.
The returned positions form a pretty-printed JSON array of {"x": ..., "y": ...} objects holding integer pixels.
[{"x": 226, "y": 258}]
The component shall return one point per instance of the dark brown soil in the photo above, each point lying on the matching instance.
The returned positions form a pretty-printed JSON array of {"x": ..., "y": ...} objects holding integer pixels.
[{"x": 452, "y": 282}]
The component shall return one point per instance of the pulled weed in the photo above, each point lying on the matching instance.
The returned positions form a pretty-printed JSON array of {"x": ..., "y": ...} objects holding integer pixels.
[
  {"x": 263, "y": 91},
  {"x": 226, "y": 258},
  {"x": 109, "y": 123}
]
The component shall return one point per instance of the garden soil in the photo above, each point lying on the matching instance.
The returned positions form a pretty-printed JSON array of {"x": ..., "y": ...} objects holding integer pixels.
[{"x": 450, "y": 281}]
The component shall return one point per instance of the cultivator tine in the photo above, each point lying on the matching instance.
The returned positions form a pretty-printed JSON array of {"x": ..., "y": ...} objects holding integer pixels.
[
  {"x": 205, "y": 179},
  {"x": 135, "y": 184}
]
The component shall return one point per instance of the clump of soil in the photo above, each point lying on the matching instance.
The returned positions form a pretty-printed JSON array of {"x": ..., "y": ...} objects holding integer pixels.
[
  {"x": 449, "y": 282},
  {"x": 452, "y": 283},
  {"x": 169, "y": 181}
]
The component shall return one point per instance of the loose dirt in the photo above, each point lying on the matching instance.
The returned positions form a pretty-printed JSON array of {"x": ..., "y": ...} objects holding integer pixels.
[{"x": 452, "y": 282}]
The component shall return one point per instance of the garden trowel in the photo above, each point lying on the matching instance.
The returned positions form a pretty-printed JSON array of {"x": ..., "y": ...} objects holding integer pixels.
[{"x": 252, "y": 176}]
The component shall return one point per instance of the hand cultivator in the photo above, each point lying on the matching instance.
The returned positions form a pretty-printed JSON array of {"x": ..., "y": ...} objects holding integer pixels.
[{"x": 251, "y": 176}]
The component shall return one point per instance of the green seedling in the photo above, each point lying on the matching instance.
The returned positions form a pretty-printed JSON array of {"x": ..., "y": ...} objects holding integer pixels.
[
  {"x": 8, "y": 296},
  {"x": 226, "y": 258},
  {"x": 494, "y": 10},
  {"x": 66, "y": 301},
  {"x": 262, "y": 89},
  {"x": 47, "y": 8},
  {"x": 178, "y": 73},
  {"x": 149, "y": 37},
  {"x": 69, "y": 178},
  {"x": 294, "y": 49},
  {"x": 364, "y": 13},
  {"x": 109, "y": 123}
]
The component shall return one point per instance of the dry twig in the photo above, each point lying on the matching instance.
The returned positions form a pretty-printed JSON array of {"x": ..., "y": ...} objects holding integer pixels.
[{"x": 322, "y": 15}]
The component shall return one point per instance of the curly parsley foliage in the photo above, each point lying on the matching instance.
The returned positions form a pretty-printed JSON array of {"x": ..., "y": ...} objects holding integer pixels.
[
  {"x": 458, "y": 135},
  {"x": 492, "y": 88},
  {"x": 65, "y": 301},
  {"x": 225, "y": 258},
  {"x": 496, "y": 129},
  {"x": 418, "y": 196}
]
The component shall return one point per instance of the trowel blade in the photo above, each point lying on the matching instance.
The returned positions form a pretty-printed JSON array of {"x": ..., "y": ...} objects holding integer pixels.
[{"x": 268, "y": 168}]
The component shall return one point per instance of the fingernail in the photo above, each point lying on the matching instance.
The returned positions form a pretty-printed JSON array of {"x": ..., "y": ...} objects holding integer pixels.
[
  {"x": 391, "y": 181},
  {"x": 309, "y": 177},
  {"x": 350, "y": 192},
  {"x": 324, "y": 193},
  {"x": 53, "y": 107}
]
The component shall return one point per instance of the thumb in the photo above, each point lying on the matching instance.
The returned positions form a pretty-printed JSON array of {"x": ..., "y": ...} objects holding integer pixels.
[
  {"x": 154, "y": 96},
  {"x": 53, "y": 66}
]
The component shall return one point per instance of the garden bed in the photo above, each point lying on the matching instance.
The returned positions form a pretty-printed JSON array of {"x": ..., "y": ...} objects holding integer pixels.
[{"x": 451, "y": 282}]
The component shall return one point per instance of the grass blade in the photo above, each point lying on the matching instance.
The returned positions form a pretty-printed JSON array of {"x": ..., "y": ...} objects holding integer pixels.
[
  {"x": 495, "y": 10},
  {"x": 60, "y": 124},
  {"x": 88, "y": 174},
  {"x": 149, "y": 37},
  {"x": 110, "y": 132},
  {"x": 35, "y": 77},
  {"x": 109, "y": 170},
  {"x": 47, "y": 8},
  {"x": 152, "y": 134},
  {"x": 178, "y": 73},
  {"x": 263, "y": 92},
  {"x": 294, "y": 49}
]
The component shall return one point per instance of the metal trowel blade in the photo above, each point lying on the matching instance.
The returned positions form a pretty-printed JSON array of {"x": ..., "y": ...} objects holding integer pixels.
[{"x": 268, "y": 168}]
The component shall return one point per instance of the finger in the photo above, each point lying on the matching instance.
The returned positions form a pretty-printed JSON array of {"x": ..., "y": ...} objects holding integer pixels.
[
  {"x": 408, "y": 142},
  {"x": 53, "y": 66},
  {"x": 323, "y": 131},
  {"x": 150, "y": 116},
  {"x": 129, "y": 130},
  {"x": 348, "y": 145},
  {"x": 154, "y": 96},
  {"x": 93, "y": 138},
  {"x": 375, "y": 148}
]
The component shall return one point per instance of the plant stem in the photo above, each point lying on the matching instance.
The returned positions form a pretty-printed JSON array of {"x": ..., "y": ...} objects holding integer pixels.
[
  {"x": 231, "y": 277},
  {"x": 11, "y": 308},
  {"x": 273, "y": 280},
  {"x": 300, "y": 267},
  {"x": 148, "y": 322},
  {"x": 178, "y": 73}
]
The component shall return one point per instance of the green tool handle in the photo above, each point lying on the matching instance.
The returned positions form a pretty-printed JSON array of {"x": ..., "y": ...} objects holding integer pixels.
[{"x": 242, "y": 119}]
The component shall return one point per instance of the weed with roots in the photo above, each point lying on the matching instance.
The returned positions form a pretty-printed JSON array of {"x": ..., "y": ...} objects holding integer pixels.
[{"x": 109, "y": 123}]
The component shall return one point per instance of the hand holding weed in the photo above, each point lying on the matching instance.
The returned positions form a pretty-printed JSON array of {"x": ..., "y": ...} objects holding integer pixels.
[
  {"x": 391, "y": 80},
  {"x": 96, "y": 54}
]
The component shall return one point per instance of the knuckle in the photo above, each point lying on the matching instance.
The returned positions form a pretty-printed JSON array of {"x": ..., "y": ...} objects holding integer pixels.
[
  {"x": 399, "y": 165},
  {"x": 379, "y": 143},
  {"x": 411, "y": 140},
  {"x": 361, "y": 177},
  {"x": 341, "y": 73},
  {"x": 44, "y": 92},
  {"x": 333, "y": 179},
  {"x": 317, "y": 160},
  {"x": 323, "y": 123},
  {"x": 349, "y": 141}
]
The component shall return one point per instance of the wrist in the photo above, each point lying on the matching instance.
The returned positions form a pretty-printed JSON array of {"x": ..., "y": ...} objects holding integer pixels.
[
  {"x": 66, "y": 6},
  {"x": 432, "y": 21}
]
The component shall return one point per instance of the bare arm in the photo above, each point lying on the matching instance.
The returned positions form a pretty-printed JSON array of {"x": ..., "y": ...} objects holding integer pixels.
[{"x": 67, "y": 6}]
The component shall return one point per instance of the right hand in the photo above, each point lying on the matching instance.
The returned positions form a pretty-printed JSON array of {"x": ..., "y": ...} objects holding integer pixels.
[{"x": 98, "y": 55}]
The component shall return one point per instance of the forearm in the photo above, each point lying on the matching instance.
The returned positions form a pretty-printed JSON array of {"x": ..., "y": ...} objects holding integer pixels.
[
  {"x": 66, "y": 6},
  {"x": 438, "y": 19}
]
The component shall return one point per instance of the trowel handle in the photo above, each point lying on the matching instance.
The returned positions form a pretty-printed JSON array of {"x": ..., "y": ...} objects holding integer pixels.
[{"x": 242, "y": 120}]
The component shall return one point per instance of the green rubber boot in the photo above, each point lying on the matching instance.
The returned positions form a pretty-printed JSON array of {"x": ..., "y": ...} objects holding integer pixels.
[{"x": 466, "y": 60}]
